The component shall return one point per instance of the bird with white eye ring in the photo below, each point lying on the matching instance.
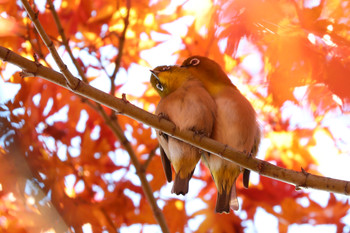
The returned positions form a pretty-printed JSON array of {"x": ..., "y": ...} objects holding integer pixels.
[
  {"x": 186, "y": 103},
  {"x": 235, "y": 125}
]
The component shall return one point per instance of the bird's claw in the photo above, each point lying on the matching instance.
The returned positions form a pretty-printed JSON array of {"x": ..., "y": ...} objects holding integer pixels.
[
  {"x": 199, "y": 132},
  {"x": 163, "y": 115},
  {"x": 165, "y": 136},
  {"x": 248, "y": 154}
]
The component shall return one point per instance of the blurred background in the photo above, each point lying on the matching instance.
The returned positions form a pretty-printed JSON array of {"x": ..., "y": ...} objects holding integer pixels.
[{"x": 63, "y": 168}]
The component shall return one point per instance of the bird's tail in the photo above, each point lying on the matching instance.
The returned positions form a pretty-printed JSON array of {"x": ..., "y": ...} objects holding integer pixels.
[
  {"x": 234, "y": 202},
  {"x": 180, "y": 185},
  {"x": 227, "y": 199},
  {"x": 223, "y": 203}
]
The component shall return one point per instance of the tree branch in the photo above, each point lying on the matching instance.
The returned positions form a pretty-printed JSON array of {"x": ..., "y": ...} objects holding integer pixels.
[
  {"x": 65, "y": 40},
  {"x": 140, "y": 170},
  {"x": 120, "y": 47},
  {"x": 150, "y": 156},
  {"x": 73, "y": 83},
  {"x": 71, "y": 80},
  {"x": 299, "y": 179},
  {"x": 111, "y": 228},
  {"x": 118, "y": 59}
]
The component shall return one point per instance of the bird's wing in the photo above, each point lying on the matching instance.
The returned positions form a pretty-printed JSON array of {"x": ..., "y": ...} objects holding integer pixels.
[
  {"x": 166, "y": 164},
  {"x": 254, "y": 151},
  {"x": 246, "y": 174}
]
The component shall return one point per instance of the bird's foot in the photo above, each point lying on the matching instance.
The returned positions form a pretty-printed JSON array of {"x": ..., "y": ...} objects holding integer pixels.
[
  {"x": 249, "y": 154},
  {"x": 163, "y": 115},
  {"x": 199, "y": 132}
]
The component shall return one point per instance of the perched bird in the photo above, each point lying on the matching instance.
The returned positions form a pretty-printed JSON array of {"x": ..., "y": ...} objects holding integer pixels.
[
  {"x": 235, "y": 125},
  {"x": 186, "y": 103}
]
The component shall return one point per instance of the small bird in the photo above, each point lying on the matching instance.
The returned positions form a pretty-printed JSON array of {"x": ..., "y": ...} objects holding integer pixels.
[
  {"x": 186, "y": 103},
  {"x": 235, "y": 125}
]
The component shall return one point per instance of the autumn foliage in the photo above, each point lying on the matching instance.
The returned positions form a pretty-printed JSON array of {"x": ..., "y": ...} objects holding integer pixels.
[{"x": 63, "y": 167}]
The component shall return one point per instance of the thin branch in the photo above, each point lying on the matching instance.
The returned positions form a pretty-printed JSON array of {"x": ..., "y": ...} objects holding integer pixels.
[
  {"x": 140, "y": 171},
  {"x": 108, "y": 219},
  {"x": 114, "y": 124},
  {"x": 299, "y": 179},
  {"x": 37, "y": 48},
  {"x": 73, "y": 83},
  {"x": 71, "y": 80},
  {"x": 151, "y": 154},
  {"x": 120, "y": 47},
  {"x": 65, "y": 40}
]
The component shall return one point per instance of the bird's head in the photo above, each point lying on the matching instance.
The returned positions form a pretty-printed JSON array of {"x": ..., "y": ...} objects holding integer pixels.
[
  {"x": 208, "y": 71},
  {"x": 166, "y": 79}
]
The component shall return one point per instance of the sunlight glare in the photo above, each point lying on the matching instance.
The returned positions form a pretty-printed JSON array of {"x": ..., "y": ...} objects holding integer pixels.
[
  {"x": 4, "y": 222},
  {"x": 328, "y": 155},
  {"x": 51, "y": 230},
  {"x": 281, "y": 139},
  {"x": 69, "y": 182},
  {"x": 337, "y": 99},
  {"x": 30, "y": 200},
  {"x": 11, "y": 197},
  {"x": 149, "y": 20},
  {"x": 171, "y": 8},
  {"x": 123, "y": 11},
  {"x": 328, "y": 40},
  {"x": 312, "y": 38},
  {"x": 179, "y": 205},
  {"x": 70, "y": 192},
  {"x": 230, "y": 63},
  {"x": 87, "y": 228},
  {"x": 330, "y": 28},
  {"x": 130, "y": 34}
]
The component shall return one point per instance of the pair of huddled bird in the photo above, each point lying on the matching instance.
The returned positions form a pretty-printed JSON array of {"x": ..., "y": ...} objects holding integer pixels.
[{"x": 199, "y": 96}]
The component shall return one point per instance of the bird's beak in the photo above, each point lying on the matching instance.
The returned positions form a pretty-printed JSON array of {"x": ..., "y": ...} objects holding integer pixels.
[{"x": 155, "y": 73}]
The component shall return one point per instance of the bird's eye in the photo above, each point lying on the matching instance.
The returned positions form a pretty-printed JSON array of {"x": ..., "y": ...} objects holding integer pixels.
[
  {"x": 165, "y": 68},
  {"x": 194, "y": 62},
  {"x": 159, "y": 86}
]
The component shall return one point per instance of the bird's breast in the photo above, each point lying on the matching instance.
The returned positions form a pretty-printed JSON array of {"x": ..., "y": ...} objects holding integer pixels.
[{"x": 235, "y": 123}]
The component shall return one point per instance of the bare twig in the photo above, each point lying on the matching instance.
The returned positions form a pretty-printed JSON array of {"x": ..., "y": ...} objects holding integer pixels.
[
  {"x": 150, "y": 156},
  {"x": 112, "y": 227},
  {"x": 140, "y": 171},
  {"x": 113, "y": 124},
  {"x": 73, "y": 84},
  {"x": 264, "y": 168},
  {"x": 118, "y": 59},
  {"x": 37, "y": 49},
  {"x": 65, "y": 40},
  {"x": 71, "y": 80}
]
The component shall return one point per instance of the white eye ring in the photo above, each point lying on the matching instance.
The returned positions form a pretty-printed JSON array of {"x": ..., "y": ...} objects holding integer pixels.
[
  {"x": 159, "y": 86},
  {"x": 164, "y": 68},
  {"x": 195, "y": 62}
]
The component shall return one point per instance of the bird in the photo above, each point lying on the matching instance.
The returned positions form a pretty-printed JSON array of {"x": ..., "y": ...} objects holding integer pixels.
[
  {"x": 185, "y": 102},
  {"x": 235, "y": 125}
]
